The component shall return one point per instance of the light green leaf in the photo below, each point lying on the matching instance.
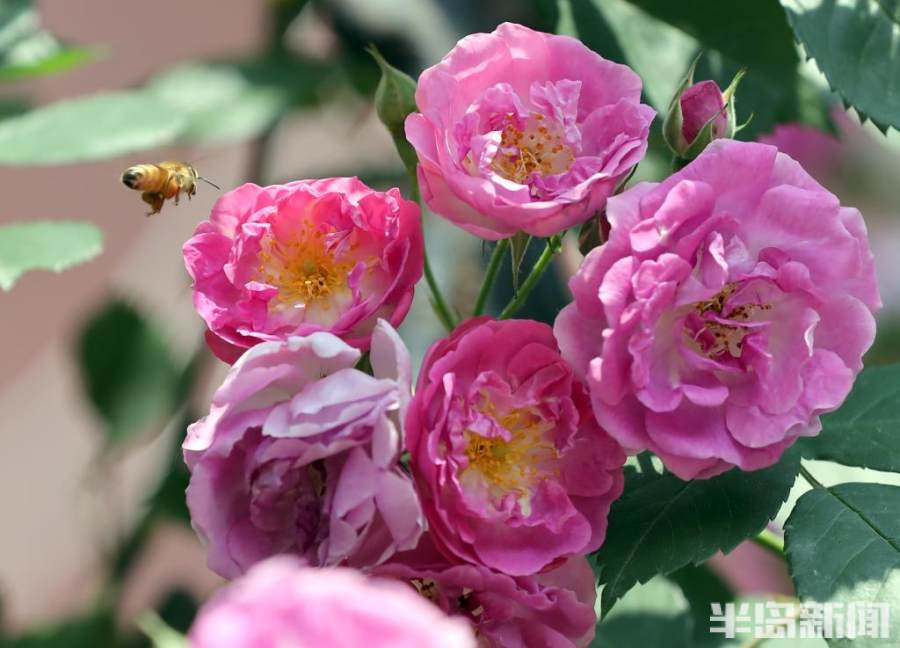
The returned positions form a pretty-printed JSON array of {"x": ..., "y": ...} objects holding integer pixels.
[
  {"x": 45, "y": 245},
  {"x": 854, "y": 43},
  {"x": 89, "y": 128},
  {"x": 127, "y": 371},
  {"x": 843, "y": 546},
  {"x": 26, "y": 49},
  {"x": 661, "y": 524},
  {"x": 864, "y": 431},
  {"x": 230, "y": 101}
]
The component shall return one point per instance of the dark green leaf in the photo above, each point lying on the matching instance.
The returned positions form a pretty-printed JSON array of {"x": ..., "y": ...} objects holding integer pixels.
[
  {"x": 45, "y": 245},
  {"x": 702, "y": 587},
  {"x": 661, "y": 524},
  {"x": 651, "y": 616},
  {"x": 753, "y": 34},
  {"x": 395, "y": 98},
  {"x": 864, "y": 431},
  {"x": 855, "y": 45},
  {"x": 843, "y": 546},
  {"x": 127, "y": 371},
  {"x": 658, "y": 52},
  {"x": 94, "y": 631},
  {"x": 89, "y": 128},
  {"x": 26, "y": 49}
]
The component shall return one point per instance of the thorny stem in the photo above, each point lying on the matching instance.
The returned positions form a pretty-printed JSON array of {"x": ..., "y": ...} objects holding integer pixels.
[
  {"x": 490, "y": 275},
  {"x": 553, "y": 246}
]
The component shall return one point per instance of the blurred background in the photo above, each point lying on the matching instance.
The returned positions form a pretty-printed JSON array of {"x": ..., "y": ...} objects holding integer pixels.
[{"x": 102, "y": 365}]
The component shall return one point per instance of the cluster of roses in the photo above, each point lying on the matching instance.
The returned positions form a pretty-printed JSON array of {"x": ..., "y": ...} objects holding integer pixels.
[{"x": 728, "y": 308}]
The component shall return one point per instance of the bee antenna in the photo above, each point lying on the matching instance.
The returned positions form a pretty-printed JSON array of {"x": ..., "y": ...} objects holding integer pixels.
[{"x": 210, "y": 183}]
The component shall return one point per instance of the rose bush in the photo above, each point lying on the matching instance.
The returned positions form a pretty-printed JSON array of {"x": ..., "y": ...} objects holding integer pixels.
[
  {"x": 312, "y": 255},
  {"x": 512, "y": 469},
  {"x": 730, "y": 307},
  {"x": 524, "y": 131},
  {"x": 299, "y": 455}
]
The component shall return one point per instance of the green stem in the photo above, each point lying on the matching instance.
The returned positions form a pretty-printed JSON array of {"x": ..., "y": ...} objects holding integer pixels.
[
  {"x": 815, "y": 483},
  {"x": 531, "y": 281},
  {"x": 489, "y": 276},
  {"x": 438, "y": 303},
  {"x": 771, "y": 541},
  {"x": 437, "y": 299}
]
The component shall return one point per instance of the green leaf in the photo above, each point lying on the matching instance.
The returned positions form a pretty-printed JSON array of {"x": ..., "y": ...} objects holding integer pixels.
[
  {"x": 654, "y": 615},
  {"x": 27, "y": 50},
  {"x": 661, "y": 524},
  {"x": 395, "y": 98},
  {"x": 843, "y": 546},
  {"x": 94, "y": 631},
  {"x": 854, "y": 45},
  {"x": 863, "y": 432},
  {"x": 753, "y": 34},
  {"x": 89, "y": 128},
  {"x": 127, "y": 371},
  {"x": 701, "y": 586},
  {"x": 230, "y": 101},
  {"x": 655, "y": 50},
  {"x": 45, "y": 245}
]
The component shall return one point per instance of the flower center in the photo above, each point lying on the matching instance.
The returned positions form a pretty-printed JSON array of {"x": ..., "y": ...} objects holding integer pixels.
[
  {"x": 529, "y": 148},
  {"x": 717, "y": 336},
  {"x": 302, "y": 267},
  {"x": 514, "y": 465}
]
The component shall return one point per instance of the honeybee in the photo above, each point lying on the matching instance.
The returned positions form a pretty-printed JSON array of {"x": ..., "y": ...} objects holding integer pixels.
[{"x": 160, "y": 182}]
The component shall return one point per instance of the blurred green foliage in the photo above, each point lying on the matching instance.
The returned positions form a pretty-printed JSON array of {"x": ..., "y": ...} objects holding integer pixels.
[{"x": 45, "y": 245}]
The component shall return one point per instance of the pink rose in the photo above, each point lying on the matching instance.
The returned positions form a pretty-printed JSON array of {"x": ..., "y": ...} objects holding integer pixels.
[
  {"x": 512, "y": 469},
  {"x": 281, "y": 603},
  {"x": 554, "y": 609},
  {"x": 729, "y": 308},
  {"x": 313, "y": 255},
  {"x": 299, "y": 455},
  {"x": 700, "y": 103},
  {"x": 525, "y": 131}
]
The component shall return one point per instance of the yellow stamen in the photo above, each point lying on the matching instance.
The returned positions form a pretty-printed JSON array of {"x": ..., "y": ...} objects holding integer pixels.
[
  {"x": 302, "y": 267},
  {"x": 534, "y": 149},
  {"x": 517, "y": 465}
]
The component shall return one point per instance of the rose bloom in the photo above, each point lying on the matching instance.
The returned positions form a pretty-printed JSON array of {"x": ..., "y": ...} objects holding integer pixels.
[
  {"x": 512, "y": 469},
  {"x": 553, "y": 609},
  {"x": 521, "y": 130},
  {"x": 729, "y": 308},
  {"x": 281, "y": 604},
  {"x": 313, "y": 255},
  {"x": 299, "y": 455}
]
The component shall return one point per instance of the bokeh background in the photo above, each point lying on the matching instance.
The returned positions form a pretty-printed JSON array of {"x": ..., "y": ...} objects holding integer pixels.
[{"x": 102, "y": 364}]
